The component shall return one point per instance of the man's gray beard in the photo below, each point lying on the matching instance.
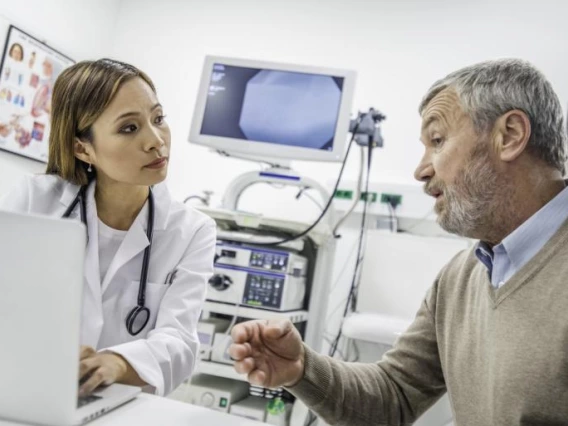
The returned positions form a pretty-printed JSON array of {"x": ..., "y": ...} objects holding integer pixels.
[{"x": 471, "y": 202}]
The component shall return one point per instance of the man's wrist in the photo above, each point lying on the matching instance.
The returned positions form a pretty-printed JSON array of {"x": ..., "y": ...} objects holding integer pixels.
[{"x": 301, "y": 367}]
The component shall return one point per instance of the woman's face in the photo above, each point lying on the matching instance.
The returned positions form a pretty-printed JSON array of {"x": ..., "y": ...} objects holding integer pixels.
[
  {"x": 131, "y": 140},
  {"x": 16, "y": 53}
]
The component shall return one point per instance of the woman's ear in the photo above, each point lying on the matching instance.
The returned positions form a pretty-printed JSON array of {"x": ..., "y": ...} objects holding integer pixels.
[
  {"x": 511, "y": 133},
  {"x": 84, "y": 151}
]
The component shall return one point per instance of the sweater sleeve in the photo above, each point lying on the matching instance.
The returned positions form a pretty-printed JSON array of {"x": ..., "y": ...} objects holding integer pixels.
[{"x": 393, "y": 391}]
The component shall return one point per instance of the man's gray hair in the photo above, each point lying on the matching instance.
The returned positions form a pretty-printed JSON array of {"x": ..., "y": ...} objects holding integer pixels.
[{"x": 489, "y": 89}]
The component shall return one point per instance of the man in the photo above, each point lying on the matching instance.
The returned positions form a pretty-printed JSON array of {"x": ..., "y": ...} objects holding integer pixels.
[{"x": 493, "y": 329}]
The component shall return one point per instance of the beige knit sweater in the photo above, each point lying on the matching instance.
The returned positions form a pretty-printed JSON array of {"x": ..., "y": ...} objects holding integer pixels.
[{"x": 502, "y": 355}]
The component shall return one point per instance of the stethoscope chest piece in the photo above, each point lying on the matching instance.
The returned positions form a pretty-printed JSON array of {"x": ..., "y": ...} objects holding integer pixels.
[
  {"x": 140, "y": 314},
  {"x": 137, "y": 319}
]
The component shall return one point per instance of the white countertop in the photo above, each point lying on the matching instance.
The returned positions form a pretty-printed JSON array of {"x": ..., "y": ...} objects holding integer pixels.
[{"x": 151, "y": 410}]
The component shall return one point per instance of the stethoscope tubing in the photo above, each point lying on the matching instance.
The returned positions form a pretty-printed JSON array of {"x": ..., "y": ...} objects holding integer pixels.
[{"x": 141, "y": 305}]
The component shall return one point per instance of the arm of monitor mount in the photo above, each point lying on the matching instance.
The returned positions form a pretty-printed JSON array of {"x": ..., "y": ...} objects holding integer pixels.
[{"x": 274, "y": 175}]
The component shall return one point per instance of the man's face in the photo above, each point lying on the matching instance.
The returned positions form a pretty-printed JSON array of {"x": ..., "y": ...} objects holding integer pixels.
[{"x": 457, "y": 168}]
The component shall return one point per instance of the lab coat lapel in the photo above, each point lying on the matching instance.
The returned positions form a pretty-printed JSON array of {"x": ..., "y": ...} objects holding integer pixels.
[
  {"x": 92, "y": 269},
  {"x": 134, "y": 242},
  {"x": 68, "y": 195},
  {"x": 136, "y": 239}
]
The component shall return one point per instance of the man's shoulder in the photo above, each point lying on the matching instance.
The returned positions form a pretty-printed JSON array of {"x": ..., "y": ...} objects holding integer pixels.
[
  {"x": 463, "y": 262},
  {"x": 456, "y": 276}
]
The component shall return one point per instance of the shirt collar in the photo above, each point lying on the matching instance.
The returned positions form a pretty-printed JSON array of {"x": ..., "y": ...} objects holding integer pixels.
[{"x": 527, "y": 240}]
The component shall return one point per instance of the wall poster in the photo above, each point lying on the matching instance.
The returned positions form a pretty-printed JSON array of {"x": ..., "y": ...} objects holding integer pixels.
[{"x": 28, "y": 72}]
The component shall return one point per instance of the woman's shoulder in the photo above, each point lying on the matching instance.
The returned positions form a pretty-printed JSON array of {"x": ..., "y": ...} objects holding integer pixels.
[
  {"x": 50, "y": 185},
  {"x": 46, "y": 182},
  {"x": 190, "y": 214},
  {"x": 181, "y": 215},
  {"x": 35, "y": 193}
]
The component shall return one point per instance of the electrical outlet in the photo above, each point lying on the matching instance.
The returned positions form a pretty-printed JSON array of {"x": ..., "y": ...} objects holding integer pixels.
[
  {"x": 392, "y": 199},
  {"x": 371, "y": 196},
  {"x": 344, "y": 194}
]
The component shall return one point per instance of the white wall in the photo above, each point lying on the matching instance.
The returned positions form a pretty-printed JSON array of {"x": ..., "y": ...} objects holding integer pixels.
[
  {"x": 398, "y": 48},
  {"x": 80, "y": 29}
]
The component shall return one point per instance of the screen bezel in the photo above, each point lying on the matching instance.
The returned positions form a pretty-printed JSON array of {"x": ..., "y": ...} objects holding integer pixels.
[{"x": 267, "y": 149}]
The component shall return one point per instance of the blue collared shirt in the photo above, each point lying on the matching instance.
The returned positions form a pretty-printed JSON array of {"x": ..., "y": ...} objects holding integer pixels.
[{"x": 506, "y": 258}]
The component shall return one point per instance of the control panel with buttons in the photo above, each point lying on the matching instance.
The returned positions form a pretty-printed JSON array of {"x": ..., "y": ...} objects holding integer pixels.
[
  {"x": 263, "y": 291},
  {"x": 269, "y": 260}
]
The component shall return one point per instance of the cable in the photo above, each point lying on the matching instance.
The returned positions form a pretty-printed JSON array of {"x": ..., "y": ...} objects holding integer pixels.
[
  {"x": 357, "y": 194},
  {"x": 341, "y": 354},
  {"x": 336, "y": 283},
  {"x": 393, "y": 219},
  {"x": 234, "y": 319},
  {"x": 311, "y": 419},
  {"x": 303, "y": 191},
  {"x": 326, "y": 208},
  {"x": 197, "y": 197},
  {"x": 343, "y": 267},
  {"x": 352, "y": 299},
  {"x": 420, "y": 221},
  {"x": 356, "y": 349}
]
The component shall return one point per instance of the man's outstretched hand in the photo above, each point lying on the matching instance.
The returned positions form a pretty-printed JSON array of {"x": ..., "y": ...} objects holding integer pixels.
[{"x": 269, "y": 351}]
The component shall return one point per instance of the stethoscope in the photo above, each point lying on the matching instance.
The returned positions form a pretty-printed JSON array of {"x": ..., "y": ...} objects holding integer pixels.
[{"x": 140, "y": 310}]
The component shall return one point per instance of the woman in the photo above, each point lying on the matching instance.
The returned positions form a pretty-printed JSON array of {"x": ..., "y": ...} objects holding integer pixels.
[
  {"x": 109, "y": 148},
  {"x": 16, "y": 52}
]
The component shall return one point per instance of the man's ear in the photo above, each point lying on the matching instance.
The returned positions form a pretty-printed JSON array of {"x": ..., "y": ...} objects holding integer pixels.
[
  {"x": 511, "y": 134},
  {"x": 83, "y": 151}
]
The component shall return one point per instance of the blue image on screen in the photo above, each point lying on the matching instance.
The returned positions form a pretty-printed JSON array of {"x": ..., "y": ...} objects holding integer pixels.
[
  {"x": 290, "y": 108},
  {"x": 272, "y": 106}
]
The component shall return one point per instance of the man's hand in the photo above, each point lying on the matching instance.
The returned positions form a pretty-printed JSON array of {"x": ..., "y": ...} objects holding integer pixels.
[
  {"x": 270, "y": 352},
  {"x": 99, "y": 369}
]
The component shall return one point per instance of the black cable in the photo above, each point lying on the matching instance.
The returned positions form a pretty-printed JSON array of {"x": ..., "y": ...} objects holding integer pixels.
[
  {"x": 326, "y": 208},
  {"x": 311, "y": 418},
  {"x": 393, "y": 218},
  {"x": 352, "y": 298},
  {"x": 192, "y": 197}
]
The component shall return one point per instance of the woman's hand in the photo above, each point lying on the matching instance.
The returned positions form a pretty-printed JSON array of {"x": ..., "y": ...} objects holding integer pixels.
[{"x": 97, "y": 369}]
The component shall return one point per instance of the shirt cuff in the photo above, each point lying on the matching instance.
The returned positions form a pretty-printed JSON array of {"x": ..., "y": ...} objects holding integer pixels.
[{"x": 140, "y": 358}]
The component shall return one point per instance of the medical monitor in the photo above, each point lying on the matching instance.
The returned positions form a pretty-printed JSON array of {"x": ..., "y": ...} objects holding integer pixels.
[{"x": 273, "y": 110}]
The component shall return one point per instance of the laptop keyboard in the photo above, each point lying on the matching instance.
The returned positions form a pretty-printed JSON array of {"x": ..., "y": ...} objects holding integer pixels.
[{"x": 84, "y": 400}]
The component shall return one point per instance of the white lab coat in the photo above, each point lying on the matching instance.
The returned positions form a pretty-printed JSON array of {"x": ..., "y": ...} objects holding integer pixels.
[{"x": 164, "y": 353}]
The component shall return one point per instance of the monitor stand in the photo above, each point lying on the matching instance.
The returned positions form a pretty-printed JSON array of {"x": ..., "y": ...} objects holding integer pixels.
[{"x": 278, "y": 174}]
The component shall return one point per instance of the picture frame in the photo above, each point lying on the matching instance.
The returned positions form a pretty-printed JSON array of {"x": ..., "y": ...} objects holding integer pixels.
[{"x": 28, "y": 70}]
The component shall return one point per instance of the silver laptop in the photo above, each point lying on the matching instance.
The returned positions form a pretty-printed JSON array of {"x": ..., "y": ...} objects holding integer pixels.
[{"x": 41, "y": 282}]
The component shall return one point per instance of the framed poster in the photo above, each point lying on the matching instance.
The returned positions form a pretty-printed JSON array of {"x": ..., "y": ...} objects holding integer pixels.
[{"x": 28, "y": 72}]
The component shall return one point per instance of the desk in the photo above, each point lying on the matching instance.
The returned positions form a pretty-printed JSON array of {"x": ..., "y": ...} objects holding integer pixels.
[{"x": 151, "y": 410}]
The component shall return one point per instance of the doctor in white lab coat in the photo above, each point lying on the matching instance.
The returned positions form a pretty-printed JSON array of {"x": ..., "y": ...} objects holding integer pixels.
[{"x": 109, "y": 135}]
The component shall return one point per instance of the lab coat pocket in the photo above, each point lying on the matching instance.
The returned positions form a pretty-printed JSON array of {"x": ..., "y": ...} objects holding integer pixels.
[{"x": 154, "y": 295}]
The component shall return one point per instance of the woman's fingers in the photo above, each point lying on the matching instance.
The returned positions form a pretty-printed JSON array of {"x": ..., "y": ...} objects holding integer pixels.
[
  {"x": 95, "y": 380},
  {"x": 87, "y": 365},
  {"x": 86, "y": 352}
]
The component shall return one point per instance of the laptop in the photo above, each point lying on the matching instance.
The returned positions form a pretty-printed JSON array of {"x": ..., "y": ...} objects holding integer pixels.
[{"x": 41, "y": 283}]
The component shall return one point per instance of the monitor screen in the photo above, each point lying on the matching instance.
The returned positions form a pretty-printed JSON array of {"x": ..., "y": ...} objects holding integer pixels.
[{"x": 273, "y": 110}]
